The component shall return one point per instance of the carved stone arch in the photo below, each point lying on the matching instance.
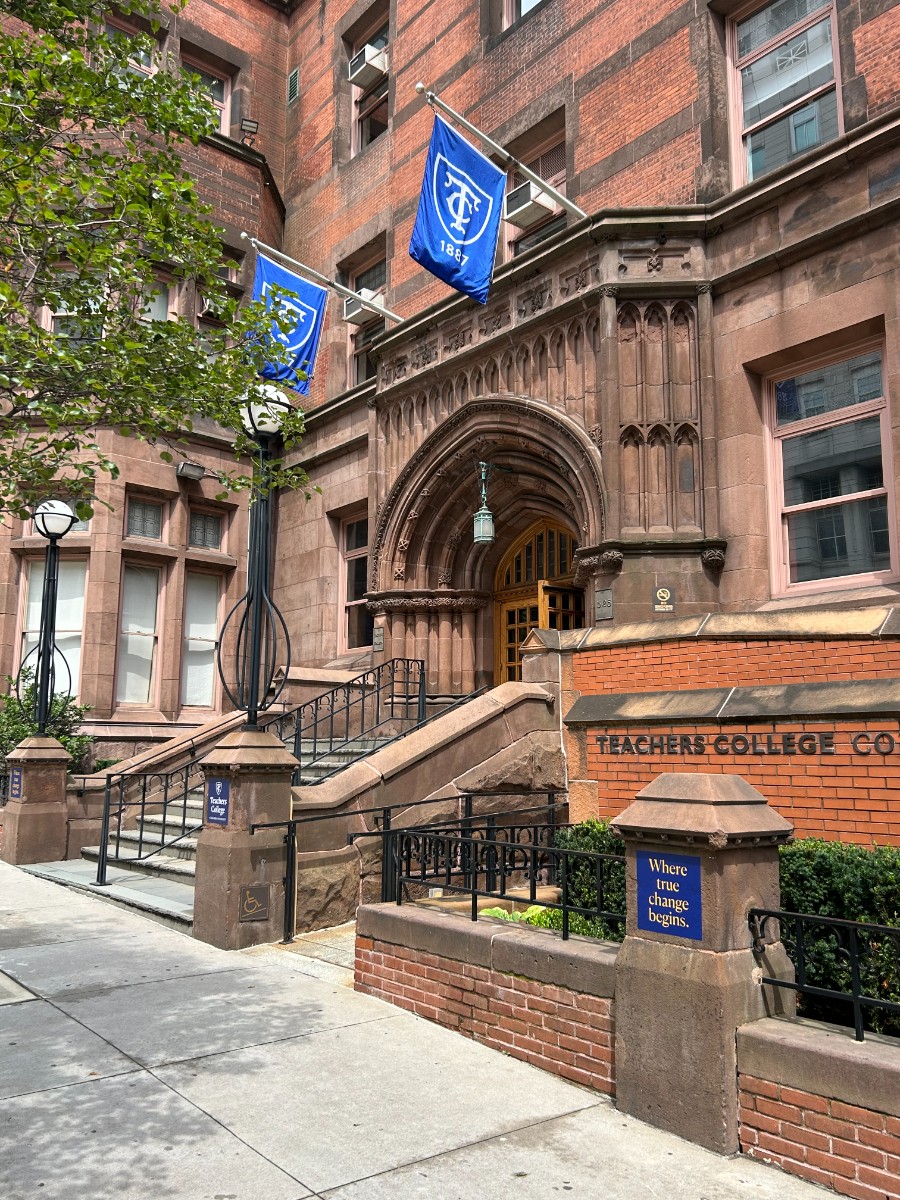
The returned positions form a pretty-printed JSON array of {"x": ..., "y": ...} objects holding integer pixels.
[
  {"x": 447, "y": 397},
  {"x": 631, "y": 436},
  {"x": 539, "y": 362},
  {"x": 523, "y": 369},
  {"x": 684, "y": 359},
  {"x": 538, "y": 443},
  {"x": 592, "y": 332},
  {"x": 461, "y": 388},
  {"x": 655, "y": 364},
  {"x": 491, "y": 377},
  {"x": 476, "y": 383},
  {"x": 688, "y": 479},
  {"x": 659, "y": 472},
  {"x": 628, "y": 332},
  {"x": 575, "y": 341},
  {"x": 507, "y": 372}
]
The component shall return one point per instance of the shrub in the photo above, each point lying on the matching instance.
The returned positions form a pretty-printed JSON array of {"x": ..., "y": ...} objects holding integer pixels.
[
  {"x": 17, "y": 722},
  {"x": 598, "y": 838}
]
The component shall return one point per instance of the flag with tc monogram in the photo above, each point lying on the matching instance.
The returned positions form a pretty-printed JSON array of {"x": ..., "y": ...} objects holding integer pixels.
[
  {"x": 458, "y": 221},
  {"x": 304, "y": 313}
]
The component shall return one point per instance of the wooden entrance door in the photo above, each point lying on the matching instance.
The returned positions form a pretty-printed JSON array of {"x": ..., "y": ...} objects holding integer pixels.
[{"x": 533, "y": 589}]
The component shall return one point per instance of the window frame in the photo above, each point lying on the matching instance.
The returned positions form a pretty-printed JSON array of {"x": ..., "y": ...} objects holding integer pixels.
[
  {"x": 25, "y": 579},
  {"x": 514, "y": 236},
  {"x": 736, "y": 64},
  {"x": 367, "y": 100},
  {"x": 344, "y": 604},
  {"x": 206, "y": 513},
  {"x": 125, "y": 28},
  {"x": 152, "y": 701},
  {"x": 779, "y": 547},
  {"x": 362, "y": 336},
  {"x": 513, "y": 14},
  {"x": 191, "y": 65},
  {"x": 163, "y": 518},
  {"x": 215, "y": 701}
]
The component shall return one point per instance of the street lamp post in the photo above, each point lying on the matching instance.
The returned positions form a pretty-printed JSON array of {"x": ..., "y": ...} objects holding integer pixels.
[
  {"x": 260, "y": 625},
  {"x": 53, "y": 519}
]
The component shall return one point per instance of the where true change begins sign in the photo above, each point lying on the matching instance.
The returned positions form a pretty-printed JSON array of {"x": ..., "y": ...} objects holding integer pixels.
[{"x": 668, "y": 894}]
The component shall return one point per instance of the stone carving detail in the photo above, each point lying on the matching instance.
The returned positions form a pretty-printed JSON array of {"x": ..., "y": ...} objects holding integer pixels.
[
  {"x": 611, "y": 560},
  {"x": 453, "y": 541},
  {"x": 661, "y": 258},
  {"x": 423, "y": 353},
  {"x": 458, "y": 339},
  {"x": 403, "y": 545},
  {"x": 493, "y": 322},
  {"x": 396, "y": 369},
  {"x": 654, "y": 263},
  {"x": 400, "y": 572},
  {"x": 445, "y": 578},
  {"x": 415, "y": 603},
  {"x": 575, "y": 281},
  {"x": 704, "y": 289},
  {"x": 713, "y": 557},
  {"x": 595, "y": 433},
  {"x": 610, "y": 289},
  {"x": 534, "y": 301}
]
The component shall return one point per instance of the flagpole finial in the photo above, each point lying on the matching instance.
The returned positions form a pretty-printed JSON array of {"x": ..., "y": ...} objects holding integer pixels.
[{"x": 420, "y": 87}]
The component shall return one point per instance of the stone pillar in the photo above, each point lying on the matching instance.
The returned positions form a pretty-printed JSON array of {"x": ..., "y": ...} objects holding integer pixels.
[
  {"x": 35, "y": 822},
  {"x": 701, "y": 850},
  {"x": 248, "y": 780}
]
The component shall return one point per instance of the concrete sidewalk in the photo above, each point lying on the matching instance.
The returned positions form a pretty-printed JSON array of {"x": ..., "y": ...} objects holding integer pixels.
[{"x": 143, "y": 1065}]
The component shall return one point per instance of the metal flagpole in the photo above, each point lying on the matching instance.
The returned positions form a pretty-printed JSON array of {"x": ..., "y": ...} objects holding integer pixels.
[
  {"x": 332, "y": 283},
  {"x": 511, "y": 161}
]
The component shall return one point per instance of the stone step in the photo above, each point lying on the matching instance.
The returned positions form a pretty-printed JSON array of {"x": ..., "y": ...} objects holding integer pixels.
[
  {"x": 165, "y": 865},
  {"x": 185, "y": 847},
  {"x": 169, "y": 901}
]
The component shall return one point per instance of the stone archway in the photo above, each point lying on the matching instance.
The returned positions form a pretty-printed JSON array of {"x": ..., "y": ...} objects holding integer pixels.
[{"x": 430, "y": 584}]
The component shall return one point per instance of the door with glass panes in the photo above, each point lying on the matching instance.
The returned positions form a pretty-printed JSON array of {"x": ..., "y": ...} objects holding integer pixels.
[{"x": 533, "y": 587}]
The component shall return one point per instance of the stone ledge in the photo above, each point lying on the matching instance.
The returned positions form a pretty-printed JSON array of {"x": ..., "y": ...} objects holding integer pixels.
[
  {"x": 538, "y": 954},
  {"x": 776, "y": 702},
  {"x": 824, "y": 1060}
]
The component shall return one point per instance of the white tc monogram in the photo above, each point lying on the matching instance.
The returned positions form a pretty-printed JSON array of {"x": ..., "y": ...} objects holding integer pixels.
[{"x": 462, "y": 203}]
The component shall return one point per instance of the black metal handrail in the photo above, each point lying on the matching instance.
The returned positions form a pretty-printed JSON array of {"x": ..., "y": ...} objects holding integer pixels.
[
  {"x": 433, "y": 856},
  {"x": 129, "y": 792},
  {"x": 353, "y": 712},
  {"x": 383, "y": 822},
  {"x": 857, "y": 951}
]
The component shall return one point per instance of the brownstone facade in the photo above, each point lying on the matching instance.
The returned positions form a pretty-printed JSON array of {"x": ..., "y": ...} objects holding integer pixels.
[{"x": 643, "y": 381}]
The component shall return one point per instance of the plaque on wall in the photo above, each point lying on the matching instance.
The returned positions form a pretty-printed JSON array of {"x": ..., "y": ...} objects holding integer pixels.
[
  {"x": 603, "y": 605},
  {"x": 218, "y": 793},
  {"x": 255, "y": 903},
  {"x": 663, "y": 600},
  {"x": 668, "y": 894},
  {"x": 378, "y": 638}
]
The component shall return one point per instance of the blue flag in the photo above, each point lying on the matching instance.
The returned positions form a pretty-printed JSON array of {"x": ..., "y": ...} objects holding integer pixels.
[
  {"x": 301, "y": 338},
  {"x": 456, "y": 229}
]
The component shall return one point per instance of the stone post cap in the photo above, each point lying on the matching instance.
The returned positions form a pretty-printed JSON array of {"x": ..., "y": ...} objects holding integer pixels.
[
  {"x": 721, "y": 810},
  {"x": 249, "y": 750},
  {"x": 39, "y": 749}
]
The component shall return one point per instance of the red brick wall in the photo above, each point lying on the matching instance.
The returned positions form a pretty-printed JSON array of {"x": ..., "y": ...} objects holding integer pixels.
[
  {"x": 567, "y": 1033},
  {"x": 877, "y": 46},
  {"x": 688, "y": 664},
  {"x": 841, "y": 796},
  {"x": 855, "y": 1151}
]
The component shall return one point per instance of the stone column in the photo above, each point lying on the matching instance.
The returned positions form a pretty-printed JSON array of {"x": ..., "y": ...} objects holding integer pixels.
[
  {"x": 701, "y": 851},
  {"x": 239, "y": 898},
  {"x": 35, "y": 823}
]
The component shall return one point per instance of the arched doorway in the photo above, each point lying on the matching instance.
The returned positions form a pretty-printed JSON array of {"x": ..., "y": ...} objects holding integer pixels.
[{"x": 533, "y": 587}]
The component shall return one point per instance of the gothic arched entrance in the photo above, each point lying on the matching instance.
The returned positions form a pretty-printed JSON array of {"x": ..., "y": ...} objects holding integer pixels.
[{"x": 533, "y": 587}]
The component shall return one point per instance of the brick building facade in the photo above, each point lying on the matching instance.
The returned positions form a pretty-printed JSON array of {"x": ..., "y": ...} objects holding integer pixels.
[{"x": 686, "y": 396}]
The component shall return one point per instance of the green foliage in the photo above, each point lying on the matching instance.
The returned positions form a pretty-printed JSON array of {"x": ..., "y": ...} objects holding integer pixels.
[
  {"x": 17, "y": 723},
  {"x": 851, "y": 883},
  {"x": 504, "y": 915},
  {"x": 96, "y": 209}
]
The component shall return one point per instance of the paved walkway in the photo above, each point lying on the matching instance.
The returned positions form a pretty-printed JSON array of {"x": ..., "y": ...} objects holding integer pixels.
[{"x": 141, "y": 1065}]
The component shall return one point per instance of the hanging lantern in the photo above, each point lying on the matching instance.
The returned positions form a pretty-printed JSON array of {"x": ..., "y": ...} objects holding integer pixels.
[
  {"x": 484, "y": 527},
  {"x": 484, "y": 521}
]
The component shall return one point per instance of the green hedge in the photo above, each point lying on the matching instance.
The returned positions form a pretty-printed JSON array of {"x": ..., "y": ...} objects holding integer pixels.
[{"x": 831, "y": 879}]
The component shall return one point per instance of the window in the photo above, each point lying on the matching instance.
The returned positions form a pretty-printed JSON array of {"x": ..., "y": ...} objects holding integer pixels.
[
  {"x": 142, "y": 59},
  {"x": 77, "y": 527},
  {"x": 137, "y": 635},
  {"x": 144, "y": 519},
  {"x": 293, "y": 86},
  {"x": 358, "y": 621},
  {"x": 205, "y": 530},
  {"x": 370, "y": 97},
  {"x": 785, "y": 82},
  {"x": 69, "y": 619},
  {"x": 157, "y": 300},
  {"x": 833, "y": 477},
  {"x": 201, "y": 625},
  {"x": 550, "y": 165},
  {"x": 514, "y": 10},
  {"x": 216, "y": 87},
  {"x": 363, "y": 365}
]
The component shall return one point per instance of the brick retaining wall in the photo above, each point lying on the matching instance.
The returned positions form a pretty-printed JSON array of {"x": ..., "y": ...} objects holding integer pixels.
[{"x": 563, "y": 1030}]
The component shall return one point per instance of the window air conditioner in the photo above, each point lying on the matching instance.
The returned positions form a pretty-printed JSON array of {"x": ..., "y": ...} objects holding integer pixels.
[
  {"x": 368, "y": 66},
  {"x": 356, "y": 313},
  {"x": 527, "y": 204}
]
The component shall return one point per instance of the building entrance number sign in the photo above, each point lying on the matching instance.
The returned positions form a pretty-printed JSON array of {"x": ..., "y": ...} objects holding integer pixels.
[
  {"x": 15, "y": 783},
  {"x": 668, "y": 894}
]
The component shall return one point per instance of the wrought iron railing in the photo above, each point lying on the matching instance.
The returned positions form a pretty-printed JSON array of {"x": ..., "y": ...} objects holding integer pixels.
[
  {"x": 131, "y": 797},
  {"x": 513, "y": 865},
  {"x": 389, "y": 700},
  {"x": 382, "y": 817},
  {"x": 838, "y": 962}
]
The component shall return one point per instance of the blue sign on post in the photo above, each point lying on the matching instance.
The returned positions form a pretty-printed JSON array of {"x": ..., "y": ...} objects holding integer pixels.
[
  {"x": 15, "y": 783},
  {"x": 668, "y": 894},
  {"x": 217, "y": 796}
]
